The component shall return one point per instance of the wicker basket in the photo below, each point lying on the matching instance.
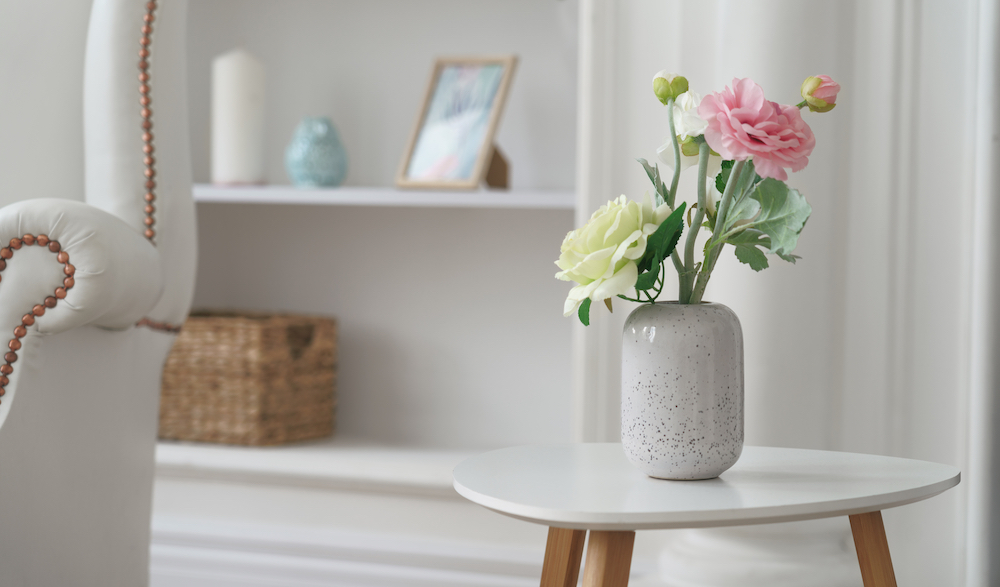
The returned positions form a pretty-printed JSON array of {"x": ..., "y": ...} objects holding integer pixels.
[{"x": 250, "y": 379}]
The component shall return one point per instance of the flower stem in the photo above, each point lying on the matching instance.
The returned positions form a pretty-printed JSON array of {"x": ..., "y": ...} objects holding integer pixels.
[
  {"x": 679, "y": 266},
  {"x": 659, "y": 280},
  {"x": 699, "y": 217},
  {"x": 677, "y": 155},
  {"x": 682, "y": 280},
  {"x": 727, "y": 196},
  {"x": 716, "y": 247}
]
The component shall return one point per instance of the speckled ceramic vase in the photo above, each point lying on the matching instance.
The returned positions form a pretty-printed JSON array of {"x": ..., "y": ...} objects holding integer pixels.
[{"x": 682, "y": 390}]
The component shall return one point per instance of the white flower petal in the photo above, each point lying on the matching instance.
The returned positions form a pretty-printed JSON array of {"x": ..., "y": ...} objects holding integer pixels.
[
  {"x": 620, "y": 252},
  {"x": 666, "y": 156},
  {"x": 602, "y": 254},
  {"x": 577, "y": 295},
  {"x": 687, "y": 123},
  {"x": 622, "y": 281}
]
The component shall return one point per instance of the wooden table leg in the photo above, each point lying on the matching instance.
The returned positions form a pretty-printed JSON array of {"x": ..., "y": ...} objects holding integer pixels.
[
  {"x": 563, "y": 552},
  {"x": 873, "y": 550},
  {"x": 609, "y": 558}
]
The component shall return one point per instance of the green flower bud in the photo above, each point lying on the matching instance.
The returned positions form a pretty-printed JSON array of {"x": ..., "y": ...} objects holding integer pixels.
[
  {"x": 667, "y": 86},
  {"x": 689, "y": 147}
]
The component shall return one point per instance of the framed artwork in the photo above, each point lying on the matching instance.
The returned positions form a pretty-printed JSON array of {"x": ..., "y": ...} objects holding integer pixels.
[{"x": 452, "y": 144}]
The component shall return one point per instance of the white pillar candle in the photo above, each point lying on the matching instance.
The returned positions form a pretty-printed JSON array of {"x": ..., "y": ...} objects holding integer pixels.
[{"x": 237, "y": 119}]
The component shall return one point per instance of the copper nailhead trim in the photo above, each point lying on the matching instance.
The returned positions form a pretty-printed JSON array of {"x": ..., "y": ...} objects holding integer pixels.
[
  {"x": 147, "y": 117},
  {"x": 38, "y": 309},
  {"x": 147, "y": 147},
  {"x": 149, "y": 161},
  {"x": 162, "y": 326}
]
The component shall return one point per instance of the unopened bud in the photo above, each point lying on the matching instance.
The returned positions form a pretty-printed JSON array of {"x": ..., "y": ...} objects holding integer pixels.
[
  {"x": 820, "y": 93},
  {"x": 668, "y": 85}
]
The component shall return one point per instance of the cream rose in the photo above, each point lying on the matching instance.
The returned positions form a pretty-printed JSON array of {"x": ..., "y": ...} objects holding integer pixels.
[{"x": 602, "y": 255}]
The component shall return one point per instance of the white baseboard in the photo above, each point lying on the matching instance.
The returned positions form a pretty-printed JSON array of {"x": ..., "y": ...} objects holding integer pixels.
[{"x": 197, "y": 553}]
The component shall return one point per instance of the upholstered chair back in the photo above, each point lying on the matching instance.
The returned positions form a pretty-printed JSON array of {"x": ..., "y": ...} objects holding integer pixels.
[
  {"x": 116, "y": 173},
  {"x": 91, "y": 297}
]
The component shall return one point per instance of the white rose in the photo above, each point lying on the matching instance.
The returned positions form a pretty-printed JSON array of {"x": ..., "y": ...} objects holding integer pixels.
[
  {"x": 601, "y": 256},
  {"x": 687, "y": 123}
]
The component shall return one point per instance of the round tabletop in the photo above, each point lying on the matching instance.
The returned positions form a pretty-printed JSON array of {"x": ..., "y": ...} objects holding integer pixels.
[{"x": 594, "y": 487}]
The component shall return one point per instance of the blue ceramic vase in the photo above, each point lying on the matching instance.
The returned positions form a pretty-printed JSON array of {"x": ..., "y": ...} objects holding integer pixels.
[{"x": 316, "y": 156}]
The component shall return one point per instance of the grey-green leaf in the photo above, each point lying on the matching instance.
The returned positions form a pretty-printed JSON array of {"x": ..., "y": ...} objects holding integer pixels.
[
  {"x": 653, "y": 172},
  {"x": 746, "y": 244},
  {"x": 742, "y": 206},
  {"x": 741, "y": 209},
  {"x": 783, "y": 214}
]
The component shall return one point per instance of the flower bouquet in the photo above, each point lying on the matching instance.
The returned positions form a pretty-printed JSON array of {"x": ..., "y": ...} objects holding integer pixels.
[
  {"x": 742, "y": 145},
  {"x": 682, "y": 362}
]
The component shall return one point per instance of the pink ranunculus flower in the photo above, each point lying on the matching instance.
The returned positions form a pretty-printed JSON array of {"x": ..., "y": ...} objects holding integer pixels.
[
  {"x": 820, "y": 93},
  {"x": 743, "y": 124}
]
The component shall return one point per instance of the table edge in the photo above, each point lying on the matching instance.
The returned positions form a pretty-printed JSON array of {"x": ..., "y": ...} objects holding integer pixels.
[{"x": 710, "y": 519}]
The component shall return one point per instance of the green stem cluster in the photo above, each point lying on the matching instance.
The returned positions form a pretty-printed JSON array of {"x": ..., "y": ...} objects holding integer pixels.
[
  {"x": 693, "y": 277},
  {"x": 717, "y": 242}
]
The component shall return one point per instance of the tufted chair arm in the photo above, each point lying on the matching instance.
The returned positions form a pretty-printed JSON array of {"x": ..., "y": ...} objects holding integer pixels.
[{"x": 68, "y": 264}]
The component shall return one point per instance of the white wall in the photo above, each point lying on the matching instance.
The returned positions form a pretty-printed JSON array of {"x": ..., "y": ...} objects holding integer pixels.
[
  {"x": 41, "y": 99},
  {"x": 367, "y": 64}
]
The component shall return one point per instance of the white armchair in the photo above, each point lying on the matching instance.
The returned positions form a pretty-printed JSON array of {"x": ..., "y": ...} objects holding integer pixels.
[{"x": 91, "y": 295}]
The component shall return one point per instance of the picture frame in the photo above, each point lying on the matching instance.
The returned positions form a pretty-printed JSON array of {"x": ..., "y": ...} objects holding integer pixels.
[{"x": 451, "y": 146}]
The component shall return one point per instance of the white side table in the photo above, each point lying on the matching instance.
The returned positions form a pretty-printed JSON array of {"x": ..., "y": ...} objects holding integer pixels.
[{"x": 576, "y": 488}]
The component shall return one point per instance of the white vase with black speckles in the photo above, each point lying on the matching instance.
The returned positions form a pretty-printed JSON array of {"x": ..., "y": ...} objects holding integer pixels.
[{"x": 682, "y": 390}]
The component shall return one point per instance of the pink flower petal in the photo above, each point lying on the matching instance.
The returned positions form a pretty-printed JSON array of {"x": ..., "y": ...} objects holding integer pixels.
[{"x": 743, "y": 124}]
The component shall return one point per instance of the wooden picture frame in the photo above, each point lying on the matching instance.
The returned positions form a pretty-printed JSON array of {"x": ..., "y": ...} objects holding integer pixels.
[{"x": 451, "y": 146}]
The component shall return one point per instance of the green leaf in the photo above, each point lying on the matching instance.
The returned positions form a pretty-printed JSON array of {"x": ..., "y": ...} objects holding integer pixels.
[
  {"x": 723, "y": 176},
  {"x": 584, "y": 312},
  {"x": 661, "y": 243},
  {"x": 746, "y": 244},
  {"x": 783, "y": 214},
  {"x": 653, "y": 172},
  {"x": 674, "y": 227},
  {"x": 647, "y": 280}
]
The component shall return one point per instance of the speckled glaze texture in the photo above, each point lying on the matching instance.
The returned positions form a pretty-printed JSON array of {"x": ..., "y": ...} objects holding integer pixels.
[{"x": 682, "y": 390}]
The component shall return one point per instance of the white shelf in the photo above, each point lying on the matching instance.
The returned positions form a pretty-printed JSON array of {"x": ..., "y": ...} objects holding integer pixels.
[
  {"x": 337, "y": 464},
  {"x": 379, "y": 196}
]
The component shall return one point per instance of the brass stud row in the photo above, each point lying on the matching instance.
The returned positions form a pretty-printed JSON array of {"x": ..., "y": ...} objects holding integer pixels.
[
  {"x": 146, "y": 102},
  {"x": 38, "y": 309}
]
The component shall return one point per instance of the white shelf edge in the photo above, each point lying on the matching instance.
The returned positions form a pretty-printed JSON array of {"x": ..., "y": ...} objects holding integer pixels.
[
  {"x": 334, "y": 464},
  {"x": 379, "y": 196}
]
